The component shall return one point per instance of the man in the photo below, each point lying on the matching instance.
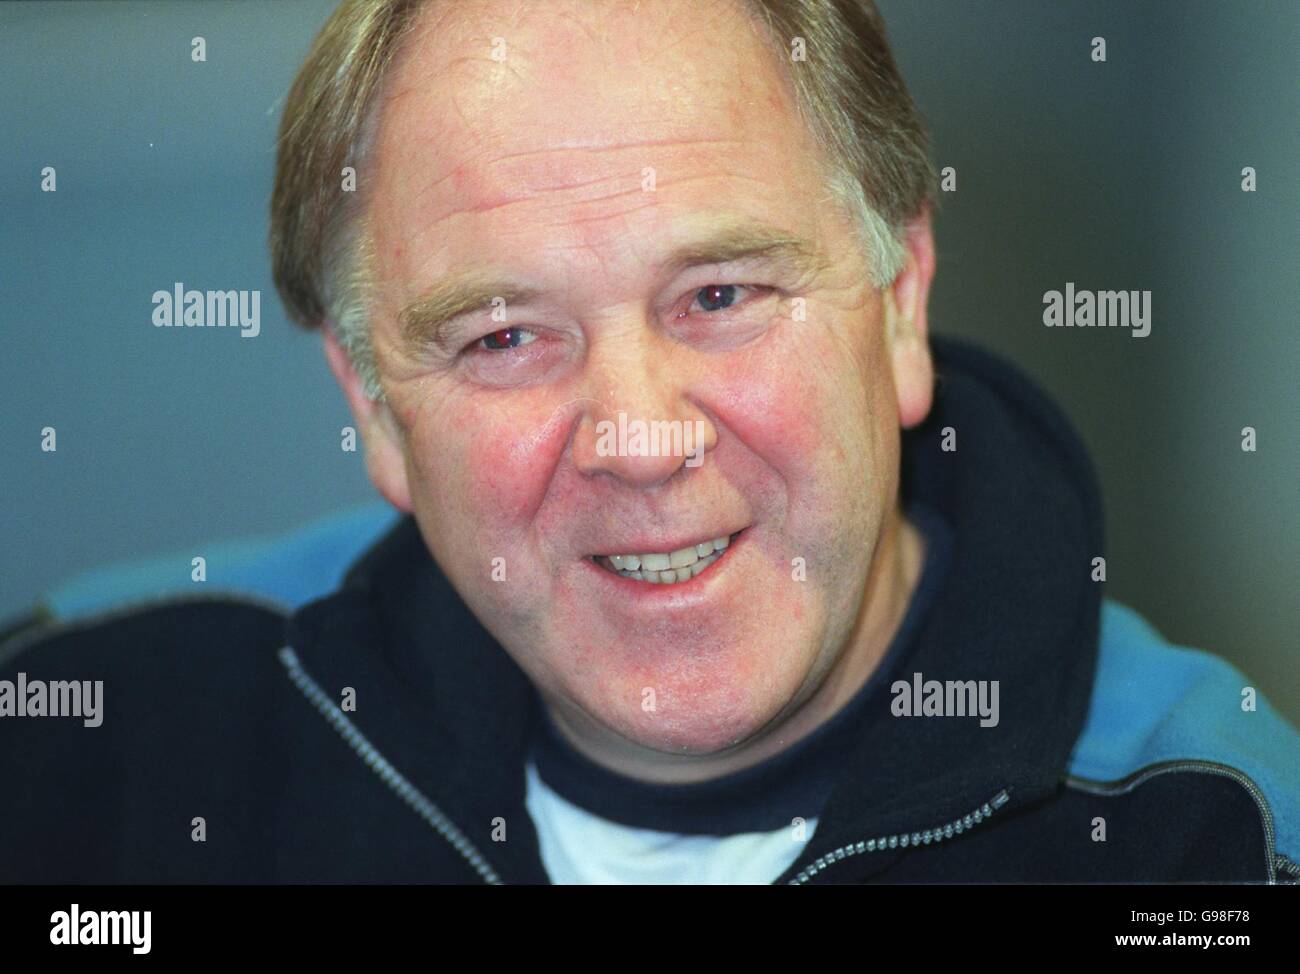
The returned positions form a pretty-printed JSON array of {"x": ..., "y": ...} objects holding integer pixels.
[{"x": 702, "y": 576}]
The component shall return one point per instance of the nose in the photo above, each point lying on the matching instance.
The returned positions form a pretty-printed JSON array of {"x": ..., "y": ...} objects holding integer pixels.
[{"x": 640, "y": 424}]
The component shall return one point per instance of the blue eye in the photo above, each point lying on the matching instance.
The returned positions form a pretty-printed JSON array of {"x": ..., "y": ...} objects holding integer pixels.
[{"x": 715, "y": 297}]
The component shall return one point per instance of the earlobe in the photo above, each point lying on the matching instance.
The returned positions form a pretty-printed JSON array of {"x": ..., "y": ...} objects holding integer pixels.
[
  {"x": 913, "y": 379},
  {"x": 380, "y": 438},
  {"x": 906, "y": 303},
  {"x": 386, "y": 458}
]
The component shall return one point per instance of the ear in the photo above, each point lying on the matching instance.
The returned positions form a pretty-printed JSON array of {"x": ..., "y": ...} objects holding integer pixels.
[
  {"x": 906, "y": 326},
  {"x": 380, "y": 436}
]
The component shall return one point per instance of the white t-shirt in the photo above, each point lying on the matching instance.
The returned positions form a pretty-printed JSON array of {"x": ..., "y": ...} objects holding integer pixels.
[{"x": 581, "y": 848}]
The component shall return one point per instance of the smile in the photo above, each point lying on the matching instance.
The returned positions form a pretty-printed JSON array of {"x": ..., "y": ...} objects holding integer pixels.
[{"x": 667, "y": 568}]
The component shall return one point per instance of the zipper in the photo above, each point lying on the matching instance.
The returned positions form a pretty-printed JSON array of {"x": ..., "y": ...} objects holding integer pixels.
[
  {"x": 440, "y": 823},
  {"x": 1125, "y": 785},
  {"x": 376, "y": 762},
  {"x": 903, "y": 840}
]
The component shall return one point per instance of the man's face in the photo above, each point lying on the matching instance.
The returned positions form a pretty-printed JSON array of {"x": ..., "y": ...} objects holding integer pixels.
[{"x": 590, "y": 174}]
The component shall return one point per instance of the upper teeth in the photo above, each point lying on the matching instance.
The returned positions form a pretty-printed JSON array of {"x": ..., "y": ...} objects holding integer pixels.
[{"x": 675, "y": 566}]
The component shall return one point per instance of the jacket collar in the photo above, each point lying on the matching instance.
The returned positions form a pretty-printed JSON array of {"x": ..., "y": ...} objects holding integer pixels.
[
  {"x": 448, "y": 706},
  {"x": 1017, "y": 606}
]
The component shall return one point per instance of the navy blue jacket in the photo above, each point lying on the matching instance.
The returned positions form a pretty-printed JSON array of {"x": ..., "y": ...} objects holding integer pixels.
[{"x": 222, "y": 703}]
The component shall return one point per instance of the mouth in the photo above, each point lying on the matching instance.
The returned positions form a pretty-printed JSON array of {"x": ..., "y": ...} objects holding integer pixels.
[{"x": 668, "y": 567}]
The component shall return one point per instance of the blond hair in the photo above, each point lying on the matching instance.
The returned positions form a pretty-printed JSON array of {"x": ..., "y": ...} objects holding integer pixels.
[{"x": 848, "y": 91}]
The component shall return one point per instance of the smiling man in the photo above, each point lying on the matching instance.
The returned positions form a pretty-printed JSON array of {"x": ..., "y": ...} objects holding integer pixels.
[
  {"x": 667, "y": 301},
  {"x": 845, "y": 628}
]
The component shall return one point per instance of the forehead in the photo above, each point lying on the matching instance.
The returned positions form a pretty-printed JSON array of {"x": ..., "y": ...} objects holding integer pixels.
[{"x": 536, "y": 113}]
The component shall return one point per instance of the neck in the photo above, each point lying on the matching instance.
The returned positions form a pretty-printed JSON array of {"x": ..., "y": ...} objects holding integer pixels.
[{"x": 892, "y": 578}]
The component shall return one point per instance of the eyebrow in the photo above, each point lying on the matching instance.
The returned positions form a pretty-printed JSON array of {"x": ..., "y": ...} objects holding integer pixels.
[{"x": 427, "y": 320}]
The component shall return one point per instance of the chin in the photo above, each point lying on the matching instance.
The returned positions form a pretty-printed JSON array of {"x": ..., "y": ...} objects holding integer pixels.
[{"x": 693, "y": 719}]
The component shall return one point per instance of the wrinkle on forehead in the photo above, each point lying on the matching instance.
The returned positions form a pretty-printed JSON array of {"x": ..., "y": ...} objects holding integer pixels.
[
  {"x": 544, "y": 164},
  {"x": 631, "y": 84}
]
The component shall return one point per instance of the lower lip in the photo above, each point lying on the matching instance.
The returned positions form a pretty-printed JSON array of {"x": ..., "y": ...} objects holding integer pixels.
[{"x": 692, "y": 588}]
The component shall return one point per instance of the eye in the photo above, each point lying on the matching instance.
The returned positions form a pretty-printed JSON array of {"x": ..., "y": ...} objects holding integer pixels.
[
  {"x": 719, "y": 297},
  {"x": 505, "y": 338},
  {"x": 715, "y": 297}
]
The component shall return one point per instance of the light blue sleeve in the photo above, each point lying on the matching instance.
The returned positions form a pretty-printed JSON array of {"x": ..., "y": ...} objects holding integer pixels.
[
  {"x": 286, "y": 570},
  {"x": 1155, "y": 702}
]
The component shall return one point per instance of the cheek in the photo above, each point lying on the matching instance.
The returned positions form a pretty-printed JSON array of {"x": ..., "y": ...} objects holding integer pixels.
[
  {"x": 802, "y": 418},
  {"x": 815, "y": 420},
  {"x": 502, "y": 476},
  {"x": 492, "y": 462}
]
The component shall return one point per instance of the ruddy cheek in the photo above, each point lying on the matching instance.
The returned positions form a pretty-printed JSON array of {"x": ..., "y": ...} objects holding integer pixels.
[
  {"x": 509, "y": 466},
  {"x": 795, "y": 421},
  {"x": 501, "y": 477},
  {"x": 781, "y": 416}
]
